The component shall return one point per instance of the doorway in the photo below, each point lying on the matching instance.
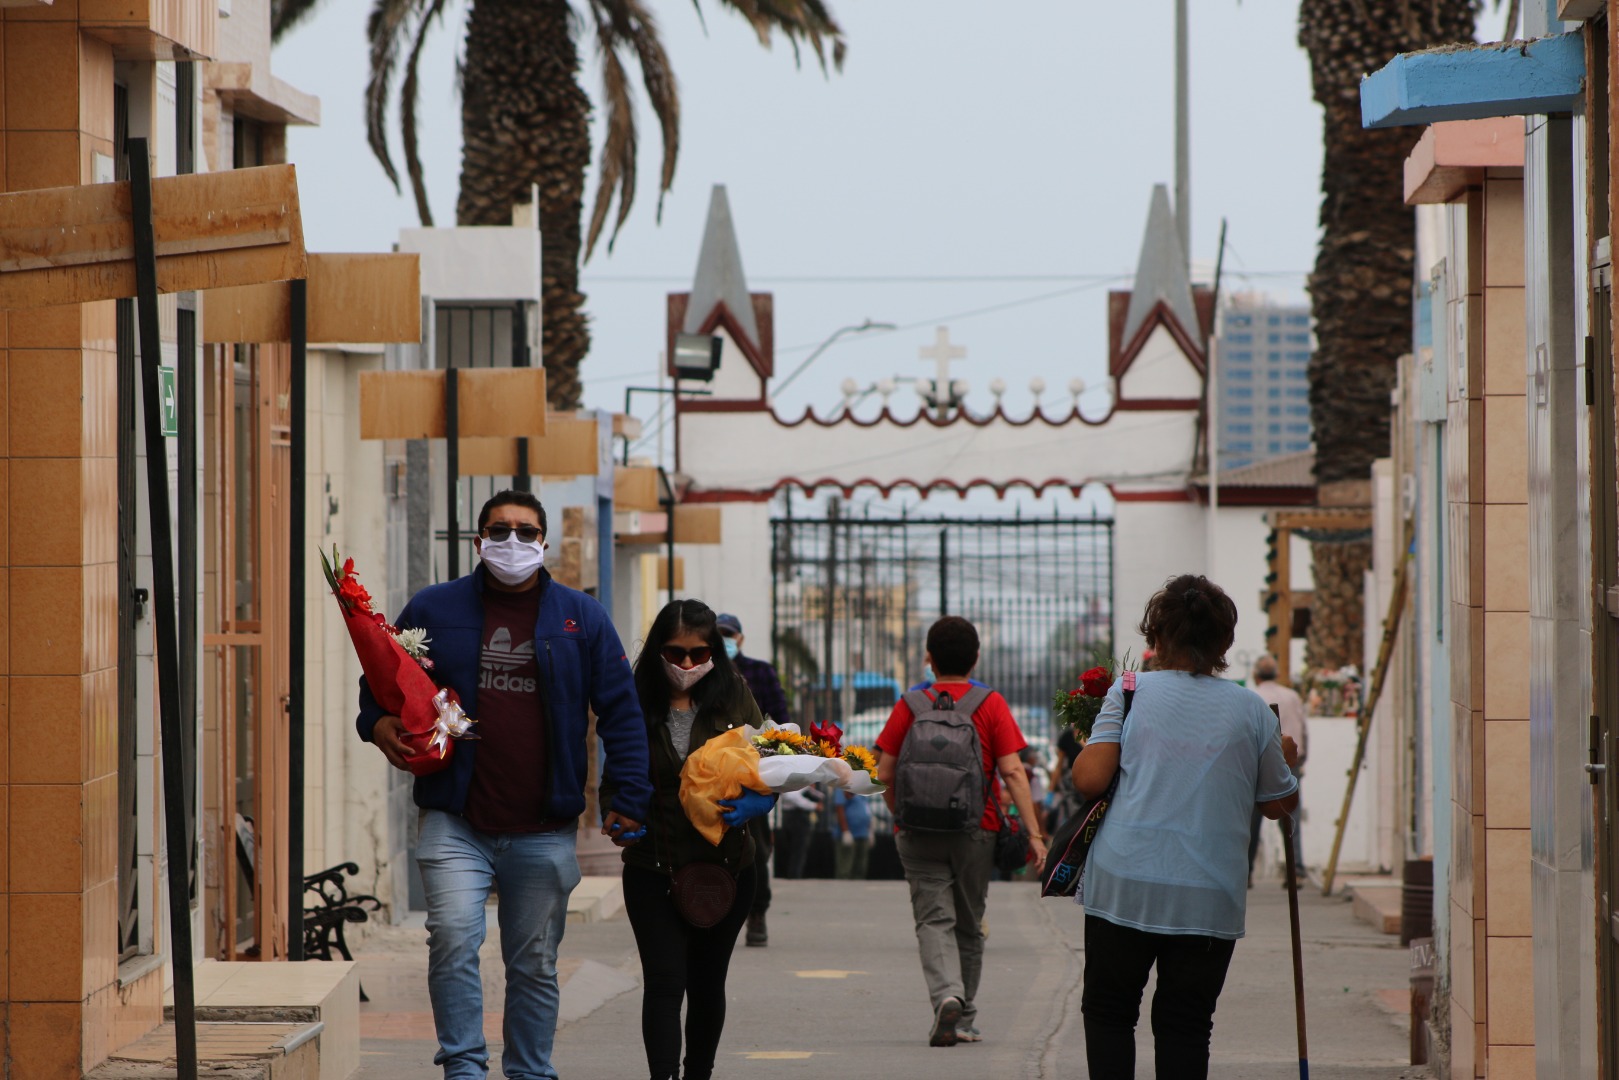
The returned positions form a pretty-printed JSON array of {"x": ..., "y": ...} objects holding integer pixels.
[{"x": 246, "y": 391}]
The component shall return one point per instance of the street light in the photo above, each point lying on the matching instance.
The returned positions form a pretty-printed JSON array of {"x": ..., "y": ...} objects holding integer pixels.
[
  {"x": 823, "y": 346},
  {"x": 697, "y": 356}
]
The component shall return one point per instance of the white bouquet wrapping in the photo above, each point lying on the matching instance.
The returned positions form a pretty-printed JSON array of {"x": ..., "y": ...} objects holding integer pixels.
[{"x": 789, "y": 760}]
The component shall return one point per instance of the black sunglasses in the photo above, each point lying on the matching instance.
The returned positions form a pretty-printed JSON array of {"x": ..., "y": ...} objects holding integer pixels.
[
  {"x": 675, "y": 654},
  {"x": 528, "y": 534}
]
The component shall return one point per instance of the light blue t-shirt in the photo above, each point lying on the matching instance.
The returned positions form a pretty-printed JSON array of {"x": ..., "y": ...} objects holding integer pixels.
[{"x": 1171, "y": 856}]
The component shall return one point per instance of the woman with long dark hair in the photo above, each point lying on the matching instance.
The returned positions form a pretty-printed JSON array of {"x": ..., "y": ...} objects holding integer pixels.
[
  {"x": 687, "y": 898},
  {"x": 1166, "y": 880}
]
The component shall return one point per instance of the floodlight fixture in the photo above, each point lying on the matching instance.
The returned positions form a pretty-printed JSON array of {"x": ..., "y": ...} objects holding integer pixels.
[{"x": 697, "y": 356}]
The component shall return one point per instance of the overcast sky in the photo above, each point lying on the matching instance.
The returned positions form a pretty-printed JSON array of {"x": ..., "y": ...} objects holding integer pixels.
[{"x": 1008, "y": 149}]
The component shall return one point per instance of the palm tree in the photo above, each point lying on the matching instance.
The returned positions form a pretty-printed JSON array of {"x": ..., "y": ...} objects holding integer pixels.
[
  {"x": 1360, "y": 290},
  {"x": 525, "y": 120}
]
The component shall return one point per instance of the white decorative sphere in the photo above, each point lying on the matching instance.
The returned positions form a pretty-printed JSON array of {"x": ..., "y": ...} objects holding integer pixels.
[
  {"x": 997, "y": 386},
  {"x": 1037, "y": 386},
  {"x": 1076, "y": 386},
  {"x": 960, "y": 387},
  {"x": 850, "y": 388},
  {"x": 886, "y": 387}
]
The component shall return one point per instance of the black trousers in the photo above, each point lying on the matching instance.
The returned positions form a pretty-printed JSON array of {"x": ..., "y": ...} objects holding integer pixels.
[
  {"x": 792, "y": 843},
  {"x": 680, "y": 963},
  {"x": 1191, "y": 972},
  {"x": 764, "y": 845}
]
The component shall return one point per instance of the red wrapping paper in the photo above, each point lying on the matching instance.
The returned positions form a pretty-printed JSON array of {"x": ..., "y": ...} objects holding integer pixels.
[
  {"x": 401, "y": 687},
  {"x": 398, "y": 682}
]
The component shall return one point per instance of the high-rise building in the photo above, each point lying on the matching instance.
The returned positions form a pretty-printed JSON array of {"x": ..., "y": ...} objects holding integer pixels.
[{"x": 1262, "y": 356}]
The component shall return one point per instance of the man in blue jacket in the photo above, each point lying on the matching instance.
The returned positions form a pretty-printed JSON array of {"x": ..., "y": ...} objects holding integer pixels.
[{"x": 528, "y": 657}]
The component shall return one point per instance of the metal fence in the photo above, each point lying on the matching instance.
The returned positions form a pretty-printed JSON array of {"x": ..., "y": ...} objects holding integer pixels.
[{"x": 854, "y": 598}]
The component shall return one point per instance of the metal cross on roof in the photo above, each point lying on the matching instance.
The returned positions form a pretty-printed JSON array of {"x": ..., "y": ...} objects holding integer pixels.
[{"x": 941, "y": 352}]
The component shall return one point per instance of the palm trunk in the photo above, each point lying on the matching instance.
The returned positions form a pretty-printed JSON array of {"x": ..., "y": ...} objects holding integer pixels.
[
  {"x": 525, "y": 120},
  {"x": 1360, "y": 290}
]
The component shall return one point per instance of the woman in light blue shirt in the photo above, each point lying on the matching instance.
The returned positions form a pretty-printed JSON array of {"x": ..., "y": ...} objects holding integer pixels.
[{"x": 1166, "y": 879}]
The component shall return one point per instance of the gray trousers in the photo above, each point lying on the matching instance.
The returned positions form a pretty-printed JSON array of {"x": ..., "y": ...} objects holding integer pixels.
[{"x": 949, "y": 878}]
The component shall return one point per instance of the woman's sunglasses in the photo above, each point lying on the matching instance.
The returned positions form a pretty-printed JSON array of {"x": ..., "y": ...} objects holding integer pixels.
[
  {"x": 699, "y": 656},
  {"x": 528, "y": 534}
]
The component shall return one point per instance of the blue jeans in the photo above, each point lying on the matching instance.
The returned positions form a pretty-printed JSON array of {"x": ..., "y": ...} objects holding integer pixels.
[{"x": 534, "y": 872}]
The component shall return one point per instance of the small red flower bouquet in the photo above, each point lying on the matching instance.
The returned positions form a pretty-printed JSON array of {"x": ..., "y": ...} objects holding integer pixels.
[
  {"x": 1078, "y": 708},
  {"x": 396, "y": 669}
]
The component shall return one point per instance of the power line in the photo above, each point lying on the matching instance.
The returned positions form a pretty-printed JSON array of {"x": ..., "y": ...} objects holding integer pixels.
[
  {"x": 899, "y": 279},
  {"x": 972, "y": 313}
]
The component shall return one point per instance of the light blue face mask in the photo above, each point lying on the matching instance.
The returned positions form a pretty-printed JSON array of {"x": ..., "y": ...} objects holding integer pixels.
[
  {"x": 731, "y": 647},
  {"x": 927, "y": 672}
]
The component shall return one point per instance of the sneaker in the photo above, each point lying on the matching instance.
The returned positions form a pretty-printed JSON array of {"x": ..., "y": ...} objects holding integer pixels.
[
  {"x": 968, "y": 1033},
  {"x": 944, "y": 1023},
  {"x": 757, "y": 934}
]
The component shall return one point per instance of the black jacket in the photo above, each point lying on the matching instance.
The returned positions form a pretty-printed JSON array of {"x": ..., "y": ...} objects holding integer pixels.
[{"x": 671, "y": 840}]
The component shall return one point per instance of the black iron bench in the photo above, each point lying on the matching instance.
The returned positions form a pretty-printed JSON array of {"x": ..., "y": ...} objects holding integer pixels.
[{"x": 329, "y": 908}]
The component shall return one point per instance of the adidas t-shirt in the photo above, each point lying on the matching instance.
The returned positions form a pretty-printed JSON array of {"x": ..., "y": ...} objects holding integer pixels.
[
  {"x": 998, "y": 735},
  {"x": 508, "y": 774}
]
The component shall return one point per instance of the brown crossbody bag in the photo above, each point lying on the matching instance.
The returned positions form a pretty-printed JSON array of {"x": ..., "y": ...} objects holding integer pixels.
[{"x": 702, "y": 892}]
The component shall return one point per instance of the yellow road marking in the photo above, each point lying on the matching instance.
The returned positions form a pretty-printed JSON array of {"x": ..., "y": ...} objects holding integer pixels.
[
  {"x": 829, "y": 973},
  {"x": 778, "y": 1055}
]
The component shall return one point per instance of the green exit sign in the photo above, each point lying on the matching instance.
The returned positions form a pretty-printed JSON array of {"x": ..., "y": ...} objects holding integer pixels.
[{"x": 169, "y": 396}]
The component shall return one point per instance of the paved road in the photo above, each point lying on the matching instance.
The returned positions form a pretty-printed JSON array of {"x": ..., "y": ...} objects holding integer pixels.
[{"x": 839, "y": 991}]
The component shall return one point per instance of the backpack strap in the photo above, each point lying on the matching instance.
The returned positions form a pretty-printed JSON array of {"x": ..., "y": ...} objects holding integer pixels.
[
  {"x": 918, "y": 702},
  {"x": 975, "y": 697}
]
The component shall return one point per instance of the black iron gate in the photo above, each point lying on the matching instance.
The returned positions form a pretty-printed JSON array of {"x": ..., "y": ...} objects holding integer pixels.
[{"x": 854, "y": 597}]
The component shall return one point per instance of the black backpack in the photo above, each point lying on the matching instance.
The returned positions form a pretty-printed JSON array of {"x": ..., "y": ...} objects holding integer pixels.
[{"x": 939, "y": 783}]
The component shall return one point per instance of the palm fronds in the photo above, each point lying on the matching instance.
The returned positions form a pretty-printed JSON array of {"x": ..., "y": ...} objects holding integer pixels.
[
  {"x": 808, "y": 21},
  {"x": 627, "y": 26},
  {"x": 285, "y": 14}
]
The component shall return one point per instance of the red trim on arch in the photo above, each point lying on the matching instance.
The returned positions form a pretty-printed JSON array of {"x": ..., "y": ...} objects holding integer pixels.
[
  {"x": 727, "y": 495},
  {"x": 1276, "y": 495},
  {"x": 1159, "y": 405},
  {"x": 1180, "y": 495},
  {"x": 758, "y": 404}
]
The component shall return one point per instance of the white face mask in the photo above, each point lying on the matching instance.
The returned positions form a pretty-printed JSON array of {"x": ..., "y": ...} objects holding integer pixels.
[
  {"x": 512, "y": 561},
  {"x": 686, "y": 678}
]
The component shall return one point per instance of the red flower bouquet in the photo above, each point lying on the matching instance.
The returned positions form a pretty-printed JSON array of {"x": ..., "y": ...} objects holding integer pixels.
[
  {"x": 396, "y": 669},
  {"x": 1079, "y": 708}
]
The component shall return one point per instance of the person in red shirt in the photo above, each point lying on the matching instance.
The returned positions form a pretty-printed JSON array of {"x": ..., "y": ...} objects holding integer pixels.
[{"x": 949, "y": 872}]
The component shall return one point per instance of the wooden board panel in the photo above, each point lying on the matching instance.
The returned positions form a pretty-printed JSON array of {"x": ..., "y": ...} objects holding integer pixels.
[
  {"x": 376, "y": 297},
  {"x": 662, "y": 562},
  {"x": 697, "y": 524},
  {"x": 247, "y": 313},
  {"x": 635, "y": 487},
  {"x": 401, "y": 404},
  {"x": 568, "y": 448},
  {"x": 76, "y": 244},
  {"x": 487, "y": 457},
  {"x": 370, "y": 298},
  {"x": 502, "y": 402}
]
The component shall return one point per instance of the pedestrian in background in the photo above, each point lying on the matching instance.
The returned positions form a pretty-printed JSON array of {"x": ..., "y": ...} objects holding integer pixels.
[
  {"x": 948, "y": 869},
  {"x": 798, "y": 810},
  {"x": 1290, "y": 708},
  {"x": 689, "y": 692},
  {"x": 854, "y": 823},
  {"x": 763, "y": 681},
  {"x": 1163, "y": 884}
]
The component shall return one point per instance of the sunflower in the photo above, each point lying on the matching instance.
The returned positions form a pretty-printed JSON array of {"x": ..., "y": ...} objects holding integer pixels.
[
  {"x": 858, "y": 757},
  {"x": 824, "y": 749},
  {"x": 780, "y": 741}
]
